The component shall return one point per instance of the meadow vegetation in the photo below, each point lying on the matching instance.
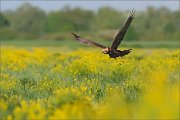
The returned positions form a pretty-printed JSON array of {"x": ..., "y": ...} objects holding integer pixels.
[{"x": 61, "y": 83}]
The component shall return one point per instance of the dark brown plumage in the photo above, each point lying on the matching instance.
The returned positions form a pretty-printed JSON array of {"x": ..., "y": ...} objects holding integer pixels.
[{"x": 112, "y": 51}]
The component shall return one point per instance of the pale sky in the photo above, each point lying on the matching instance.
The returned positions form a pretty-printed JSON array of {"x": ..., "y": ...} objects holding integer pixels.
[{"x": 91, "y": 5}]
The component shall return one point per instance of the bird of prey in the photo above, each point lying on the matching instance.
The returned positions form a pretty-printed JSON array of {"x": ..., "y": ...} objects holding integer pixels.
[{"x": 112, "y": 51}]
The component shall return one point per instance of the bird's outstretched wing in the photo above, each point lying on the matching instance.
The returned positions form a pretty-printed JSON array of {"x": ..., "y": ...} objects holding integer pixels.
[
  {"x": 88, "y": 42},
  {"x": 119, "y": 37}
]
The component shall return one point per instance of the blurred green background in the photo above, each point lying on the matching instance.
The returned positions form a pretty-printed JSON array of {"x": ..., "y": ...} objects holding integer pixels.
[{"x": 28, "y": 25}]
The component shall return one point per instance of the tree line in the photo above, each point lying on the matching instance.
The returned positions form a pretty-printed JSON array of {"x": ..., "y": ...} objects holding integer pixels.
[{"x": 30, "y": 22}]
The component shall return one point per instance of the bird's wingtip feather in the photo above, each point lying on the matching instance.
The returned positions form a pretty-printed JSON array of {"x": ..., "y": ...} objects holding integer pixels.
[
  {"x": 132, "y": 12},
  {"x": 76, "y": 36}
]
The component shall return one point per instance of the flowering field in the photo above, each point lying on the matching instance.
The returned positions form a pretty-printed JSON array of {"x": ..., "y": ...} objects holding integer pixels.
[{"x": 58, "y": 83}]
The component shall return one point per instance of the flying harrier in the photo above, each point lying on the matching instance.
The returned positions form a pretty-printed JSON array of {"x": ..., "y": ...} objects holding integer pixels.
[{"x": 112, "y": 51}]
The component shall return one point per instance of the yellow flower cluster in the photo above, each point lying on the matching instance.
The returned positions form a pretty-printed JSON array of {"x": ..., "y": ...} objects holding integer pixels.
[{"x": 50, "y": 83}]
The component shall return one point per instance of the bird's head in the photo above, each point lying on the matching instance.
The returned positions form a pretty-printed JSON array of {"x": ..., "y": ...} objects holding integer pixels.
[{"x": 106, "y": 50}]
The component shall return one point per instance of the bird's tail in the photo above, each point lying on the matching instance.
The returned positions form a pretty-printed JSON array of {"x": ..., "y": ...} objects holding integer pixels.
[{"x": 125, "y": 52}]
